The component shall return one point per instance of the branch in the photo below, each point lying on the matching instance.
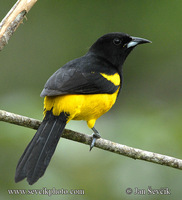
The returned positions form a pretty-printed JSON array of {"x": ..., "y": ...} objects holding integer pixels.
[
  {"x": 100, "y": 143},
  {"x": 13, "y": 19}
]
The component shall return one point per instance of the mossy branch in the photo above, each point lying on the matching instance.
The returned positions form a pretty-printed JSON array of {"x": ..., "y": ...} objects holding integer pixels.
[{"x": 100, "y": 143}]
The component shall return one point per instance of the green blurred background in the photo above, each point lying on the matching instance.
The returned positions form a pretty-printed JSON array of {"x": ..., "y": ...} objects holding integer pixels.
[{"x": 147, "y": 114}]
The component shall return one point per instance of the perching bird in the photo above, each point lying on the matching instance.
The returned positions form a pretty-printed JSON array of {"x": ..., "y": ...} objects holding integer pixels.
[{"x": 83, "y": 89}]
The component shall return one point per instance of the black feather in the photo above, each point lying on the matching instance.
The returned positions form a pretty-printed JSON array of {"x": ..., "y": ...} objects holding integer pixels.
[
  {"x": 40, "y": 150},
  {"x": 81, "y": 76}
]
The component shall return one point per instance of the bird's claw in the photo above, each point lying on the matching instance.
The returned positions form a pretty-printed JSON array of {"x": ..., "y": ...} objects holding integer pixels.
[{"x": 95, "y": 136}]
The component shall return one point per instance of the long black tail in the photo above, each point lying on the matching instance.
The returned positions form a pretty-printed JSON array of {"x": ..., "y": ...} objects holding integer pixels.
[{"x": 40, "y": 150}]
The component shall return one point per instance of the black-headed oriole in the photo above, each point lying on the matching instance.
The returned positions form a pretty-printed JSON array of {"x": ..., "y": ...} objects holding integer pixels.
[{"x": 83, "y": 89}]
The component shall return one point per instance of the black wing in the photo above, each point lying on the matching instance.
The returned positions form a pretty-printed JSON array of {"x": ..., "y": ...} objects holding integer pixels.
[{"x": 78, "y": 77}]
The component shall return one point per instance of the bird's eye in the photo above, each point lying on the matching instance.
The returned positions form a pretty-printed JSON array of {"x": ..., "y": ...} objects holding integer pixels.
[{"x": 117, "y": 41}]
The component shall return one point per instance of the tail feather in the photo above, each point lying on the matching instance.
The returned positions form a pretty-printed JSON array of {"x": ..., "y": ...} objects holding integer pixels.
[
  {"x": 20, "y": 169},
  {"x": 40, "y": 150}
]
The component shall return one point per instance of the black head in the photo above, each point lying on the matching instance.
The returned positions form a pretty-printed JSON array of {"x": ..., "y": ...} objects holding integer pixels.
[{"x": 115, "y": 47}]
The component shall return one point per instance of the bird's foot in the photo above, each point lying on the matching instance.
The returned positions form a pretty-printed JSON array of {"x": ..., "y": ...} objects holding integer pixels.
[{"x": 95, "y": 136}]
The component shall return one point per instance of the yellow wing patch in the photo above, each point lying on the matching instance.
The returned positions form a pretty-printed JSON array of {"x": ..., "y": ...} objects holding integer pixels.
[{"x": 115, "y": 78}]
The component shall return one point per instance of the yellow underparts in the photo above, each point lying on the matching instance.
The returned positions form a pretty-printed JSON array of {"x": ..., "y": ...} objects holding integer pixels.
[{"x": 83, "y": 107}]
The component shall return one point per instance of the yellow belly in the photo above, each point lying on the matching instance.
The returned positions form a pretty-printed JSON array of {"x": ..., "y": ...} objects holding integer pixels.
[{"x": 81, "y": 107}]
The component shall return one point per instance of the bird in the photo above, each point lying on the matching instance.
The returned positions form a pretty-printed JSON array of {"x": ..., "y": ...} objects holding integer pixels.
[{"x": 83, "y": 89}]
